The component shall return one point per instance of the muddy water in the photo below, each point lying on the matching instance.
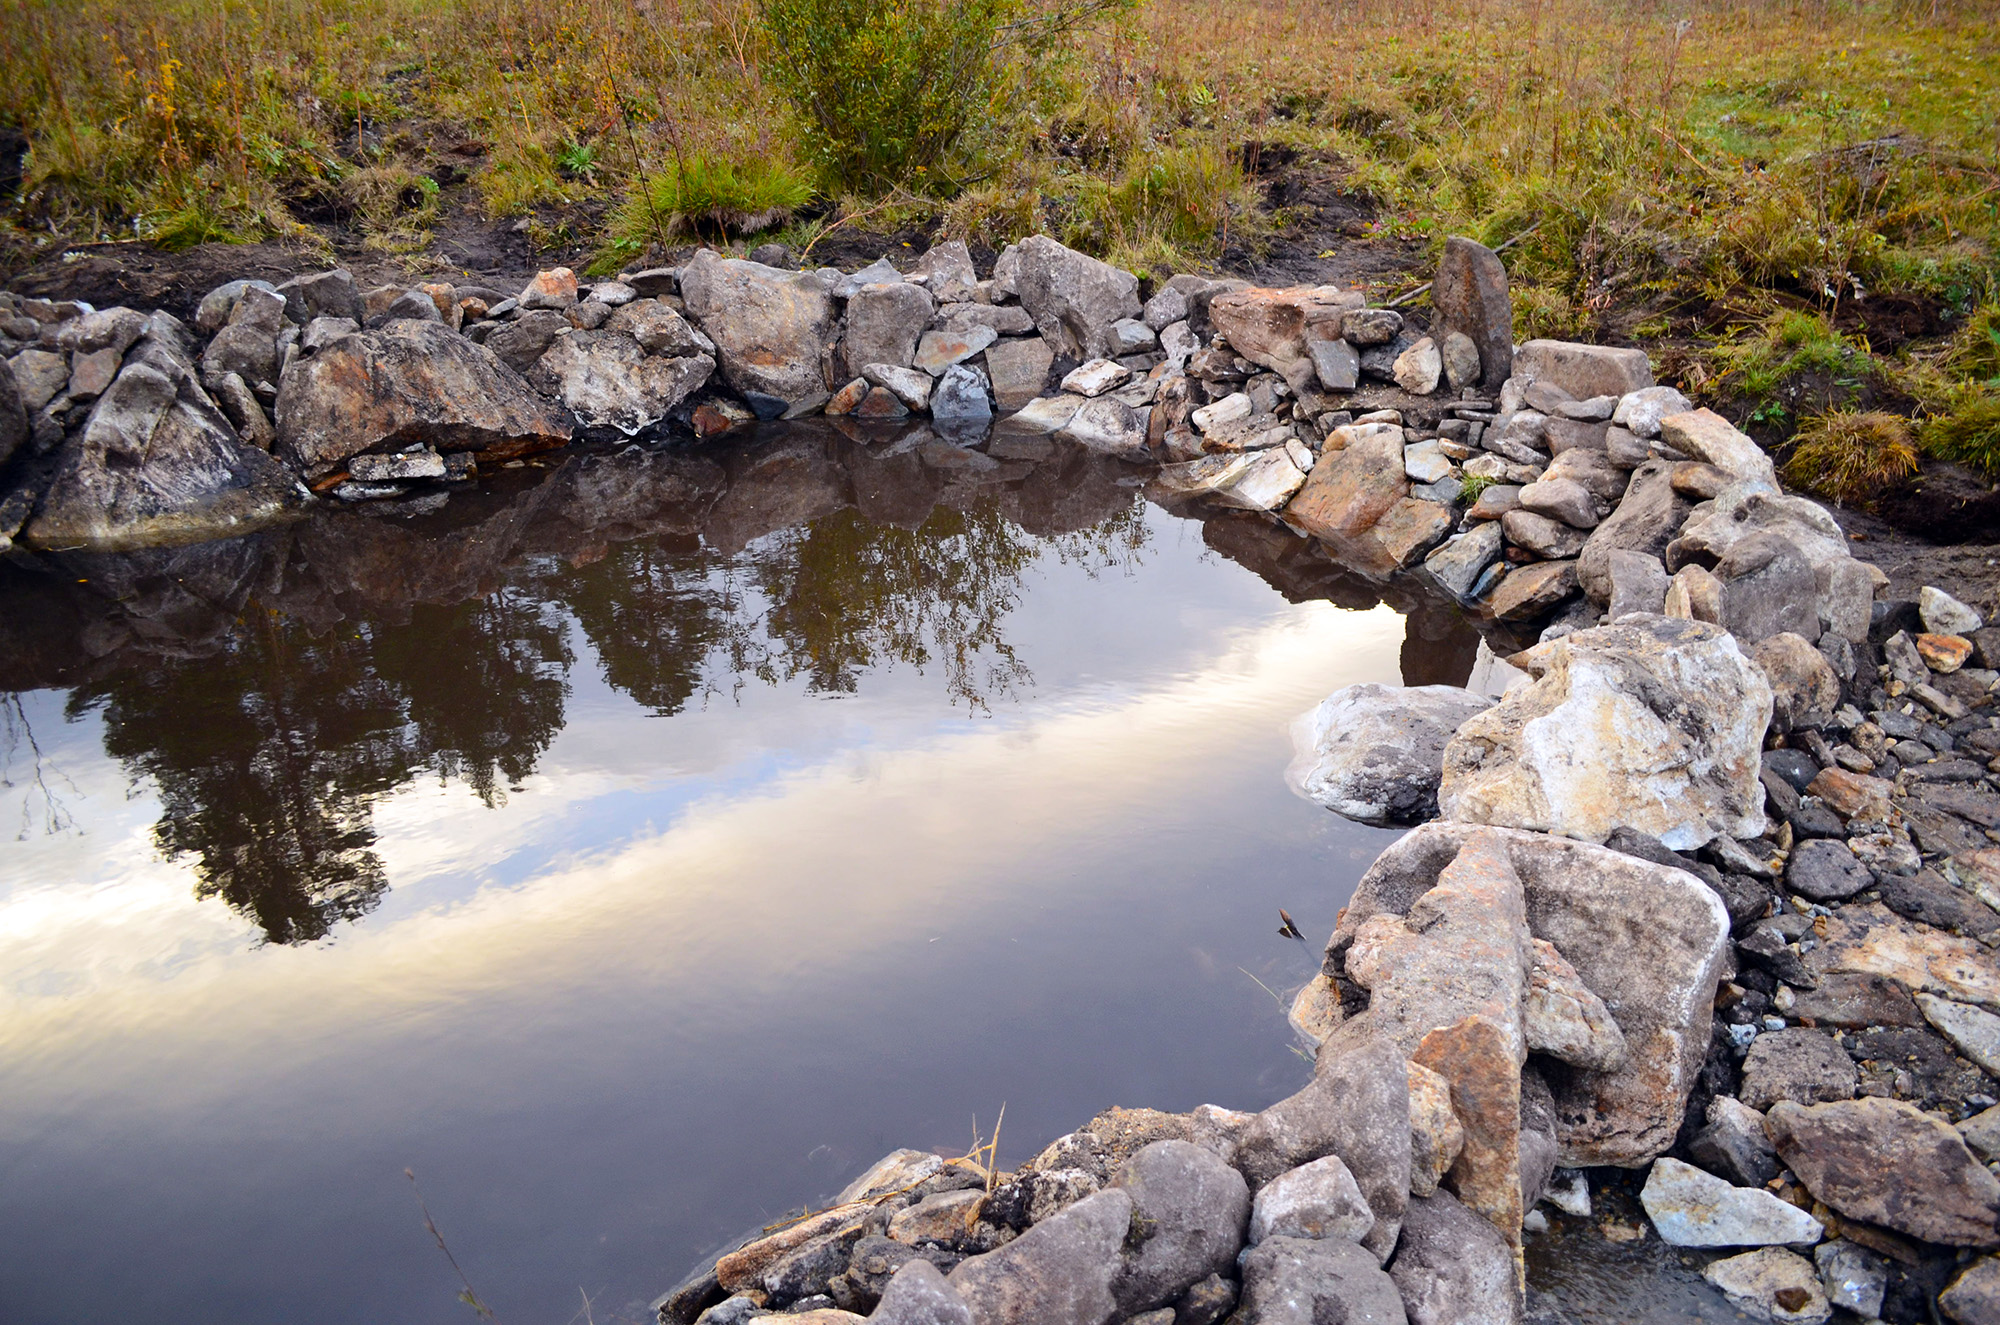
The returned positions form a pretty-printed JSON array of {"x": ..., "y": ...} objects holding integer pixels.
[{"x": 634, "y": 848}]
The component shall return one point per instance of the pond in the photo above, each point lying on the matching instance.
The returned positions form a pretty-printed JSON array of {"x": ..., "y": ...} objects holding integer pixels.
[{"x": 633, "y": 849}]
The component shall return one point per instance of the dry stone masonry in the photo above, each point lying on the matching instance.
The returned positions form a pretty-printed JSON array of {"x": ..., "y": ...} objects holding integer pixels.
[{"x": 1708, "y": 891}]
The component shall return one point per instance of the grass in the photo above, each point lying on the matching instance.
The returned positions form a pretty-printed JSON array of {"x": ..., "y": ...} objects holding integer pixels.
[{"x": 1852, "y": 456}]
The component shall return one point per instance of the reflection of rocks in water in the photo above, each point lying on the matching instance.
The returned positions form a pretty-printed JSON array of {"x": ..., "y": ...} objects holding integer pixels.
[{"x": 273, "y": 687}]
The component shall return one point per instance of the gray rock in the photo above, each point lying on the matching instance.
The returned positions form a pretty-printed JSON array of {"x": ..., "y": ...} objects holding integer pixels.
[
  {"x": 1073, "y": 298},
  {"x": 656, "y": 326},
  {"x": 1418, "y": 368},
  {"x": 607, "y": 380},
  {"x": 1546, "y": 538},
  {"x": 1945, "y": 615},
  {"x": 1853, "y": 1277},
  {"x": 414, "y": 305},
  {"x": 1772, "y": 1283},
  {"x": 233, "y": 395},
  {"x": 769, "y": 327},
  {"x": 157, "y": 462},
  {"x": 879, "y": 272},
  {"x": 1453, "y": 1267},
  {"x": 1458, "y": 563},
  {"x": 1583, "y": 370},
  {"x": 1189, "y": 1210},
  {"x": 1060, "y": 1272},
  {"x": 884, "y": 323},
  {"x": 1626, "y": 450},
  {"x": 1357, "y": 1108},
  {"x": 1107, "y": 425},
  {"x": 1207, "y": 1302},
  {"x": 1975, "y": 1031},
  {"x": 1563, "y": 499},
  {"x": 1469, "y": 294},
  {"x": 1885, "y": 1162},
  {"x": 733, "y": 1310},
  {"x": 1638, "y": 583},
  {"x": 1647, "y": 518},
  {"x": 1690, "y": 1208},
  {"x": 39, "y": 376},
  {"x": 1019, "y": 370},
  {"x": 1336, "y": 363},
  {"x": 520, "y": 343},
  {"x": 324, "y": 331},
  {"x": 960, "y": 396},
  {"x": 908, "y": 385},
  {"x": 323, "y": 294},
  {"x": 919, "y": 1295},
  {"x": 1796, "y": 1064},
  {"x": 14, "y": 429},
  {"x": 1973, "y": 1298},
  {"x": 1169, "y": 304},
  {"x": 1734, "y": 1144},
  {"x": 400, "y": 467},
  {"x": 1825, "y": 870},
  {"x": 409, "y": 382},
  {"x": 1461, "y": 361},
  {"x": 91, "y": 374},
  {"x": 1639, "y": 412},
  {"x": 1003, "y": 319},
  {"x": 245, "y": 349},
  {"x": 1768, "y": 587},
  {"x": 114, "y": 329},
  {"x": 1299, "y": 1281},
  {"x": 1375, "y": 753},
  {"x": 216, "y": 307},
  {"x": 1374, "y": 326},
  {"x": 1131, "y": 336},
  {"x": 1316, "y": 1200}
]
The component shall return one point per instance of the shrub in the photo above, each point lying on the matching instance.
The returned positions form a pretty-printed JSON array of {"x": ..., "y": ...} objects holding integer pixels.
[{"x": 1851, "y": 456}]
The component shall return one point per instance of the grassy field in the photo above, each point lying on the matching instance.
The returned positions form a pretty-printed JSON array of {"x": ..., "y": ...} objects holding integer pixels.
[{"x": 1795, "y": 206}]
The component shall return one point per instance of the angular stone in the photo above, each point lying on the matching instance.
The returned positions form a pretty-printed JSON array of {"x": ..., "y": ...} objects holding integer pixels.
[
  {"x": 1884, "y": 1162},
  {"x": 1109, "y": 426},
  {"x": 1458, "y": 563},
  {"x": 1418, "y": 368},
  {"x": 919, "y": 1295},
  {"x": 1691, "y": 1208},
  {"x": 552, "y": 289},
  {"x": 1565, "y": 1019},
  {"x": 1469, "y": 295},
  {"x": 1746, "y": 509},
  {"x": 1074, "y": 299},
  {"x": 1975, "y": 1031},
  {"x": 1768, "y": 588},
  {"x": 1018, "y": 369},
  {"x": 1335, "y": 362},
  {"x": 1852, "y": 1002},
  {"x": 607, "y": 380},
  {"x": 1852, "y": 795},
  {"x": 14, "y": 425},
  {"x": 1375, "y": 753},
  {"x": 1437, "y": 1138},
  {"x": 39, "y": 376},
  {"x": 1095, "y": 378},
  {"x": 1944, "y": 615},
  {"x": 1246, "y": 480},
  {"x": 884, "y": 323},
  {"x": 744, "y": 1268},
  {"x": 1349, "y": 490},
  {"x": 1796, "y": 1064},
  {"x": 1646, "y": 520},
  {"x": 1973, "y": 1298},
  {"x": 1695, "y": 595},
  {"x": 520, "y": 343},
  {"x": 1357, "y": 1107},
  {"x": 1943, "y": 654},
  {"x": 1563, "y": 499},
  {"x": 1734, "y": 1144},
  {"x": 1423, "y": 462},
  {"x": 1652, "y": 938},
  {"x": 1775, "y": 1284},
  {"x": 948, "y": 266},
  {"x": 1410, "y": 528},
  {"x": 1453, "y": 1268},
  {"x": 1639, "y": 412},
  {"x": 960, "y": 396},
  {"x": 243, "y": 348},
  {"x": 396, "y": 468},
  {"x": 1477, "y": 1056},
  {"x": 1638, "y": 583},
  {"x": 1302, "y": 1281},
  {"x": 1853, "y": 1277},
  {"x": 1546, "y": 538},
  {"x": 1583, "y": 370},
  {"x": 938, "y": 350},
  {"x": 1461, "y": 361},
  {"x": 1706, "y": 435},
  {"x": 1315, "y": 1200},
  {"x": 1804, "y": 690},
  {"x": 940, "y": 1217},
  {"x": 409, "y": 382},
  {"x": 1534, "y": 591},
  {"x": 908, "y": 385},
  {"x": 1269, "y": 327},
  {"x": 770, "y": 327},
  {"x": 1189, "y": 1212},
  {"x": 1060, "y": 1271}
]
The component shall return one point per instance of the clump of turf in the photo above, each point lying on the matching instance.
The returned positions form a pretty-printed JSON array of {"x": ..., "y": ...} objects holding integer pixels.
[{"x": 1852, "y": 456}]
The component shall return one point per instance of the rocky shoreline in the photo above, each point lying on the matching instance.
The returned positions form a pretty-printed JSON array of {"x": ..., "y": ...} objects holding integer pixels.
[{"x": 1708, "y": 892}]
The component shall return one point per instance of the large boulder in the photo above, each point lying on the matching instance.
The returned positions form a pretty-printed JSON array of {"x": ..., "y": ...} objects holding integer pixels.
[
  {"x": 608, "y": 380},
  {"x": 1585, "y": 371},
  {"x": 157, "y": 462},
  {"x": 1060, "y": 1272},
  {"x": 1349, "y": 490},
  {"x": 1745, "y": 510},
  {"x": 1270, "y": 327},
  {"x": 1073, "y": 298},
  {"x": 1315, "y": 1281},
  {"x": 884, "y": 323},
  {"x": 1469, "y": 295},
  {"x": 1768, "y": 588},
  {"x": 1648, "y": 939},
  {"x": 771, "y": 329},
  {"x": 1885, "y": 1162},
  {"x": 1189, "y": 1212},
  {"x": 409, "y": 382},
  {"x": 1375, "y": 753},
  {"x": 1651, "y": 723}
]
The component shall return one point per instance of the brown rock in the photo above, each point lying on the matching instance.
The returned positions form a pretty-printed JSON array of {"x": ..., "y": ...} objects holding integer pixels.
[
  {"x": 1852, "y": 1001},
  {"x": 741, "y": 1269},
  {"x": 1804, "y": 690},
  {"x": 1944, "y": 653},
  {"x": 1349, "y": 490},
  {"x": 1884, "y": 1162},
  {"x": 1436, "y": 1135},
  {"x": 1647, "y": 518},
  {"x": 1869, "y": 939},
  {"x": 848, "y": 398},
  {"x": 1269, "y": 326},
  {"x": 1584, "y": 371},
  {"x": 1534, "y": 591},
  {"x": 1852, "y": 795},
  {"x": 1476, "y": 1056},
  {"x": 1803, "y": 1066},
  {"x": 1411, "y": 528},
  {"x": 1974, "y": 1297},
  {"x": 1695, "y": 595}
]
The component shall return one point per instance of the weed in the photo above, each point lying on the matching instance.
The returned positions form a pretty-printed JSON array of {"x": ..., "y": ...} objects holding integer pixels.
[{"x": 1850, "y": 456}]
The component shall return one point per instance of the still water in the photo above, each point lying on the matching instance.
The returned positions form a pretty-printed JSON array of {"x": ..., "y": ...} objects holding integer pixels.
[{"x": 634, "y": 849}]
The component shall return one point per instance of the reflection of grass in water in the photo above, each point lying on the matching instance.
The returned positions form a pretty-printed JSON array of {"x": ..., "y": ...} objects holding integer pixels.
[{"x": 38, "y": 799}]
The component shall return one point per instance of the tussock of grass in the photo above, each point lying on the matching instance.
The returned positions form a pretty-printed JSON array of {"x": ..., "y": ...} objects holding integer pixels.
[
  {"x": 1850, "y": 456},
  {"x": 709, "y": 195},
  {"x": 1968, "y": 434}
]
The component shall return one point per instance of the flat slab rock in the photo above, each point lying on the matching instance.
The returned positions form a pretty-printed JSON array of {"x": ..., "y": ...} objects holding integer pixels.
[{"x": 1376, "y": 753}]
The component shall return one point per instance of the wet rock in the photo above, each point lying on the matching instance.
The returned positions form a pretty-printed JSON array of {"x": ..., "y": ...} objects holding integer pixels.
[
  {"x": 156, "y": 462},
  {"x": 1061, "y": 1271},
  {"x": 1691, "y": 1208},
  {"x": 1436, "y": 1136},
  {"x": 402, "y": 467},
  {"x": 1583, "y": 371},
  {"x": 1073, "y": 298},
  {"x": 409, "y": 382},
  {"x": 1825, "y": 870},
  {"x": 1776, "y": 1284},
  {"x": 1652, "y": 723},
  {"x": 1975, "y": 1031},
  {"x": 919, "y": 1295},
  {"x": 743, "y": 1269},
  {"x": 1357, "y": 1107},
  {"x": 1652, "y": 939},
  {"x": 769, "y": 327},
  {"x": 1854, "y": 1277},
  {"x": 1019, "y": 369},
  {"x": 1796, "y": 1064},
  {"x": 1316, "y": 1200},
  {"x": 1534, "y": 591},
  {"x": 1453, "y": 1268},
  {"x": 939, "y": 350},
  {"x": 1884, "y": 1162},
  {"x": 1300, "y": 1281},
  {"x": 607, "y": 380},
  {"x": 1565, "y": 1019},
  {"x": 1108, "y": 426},
  {"x": 1646, "y": 521},
  {"x": 1189, "y": 1211},
  {"x": 1469, "y": 295},
  {"x": 1246, "y": 480},
  {"x": 1375, "y": 753},
  {"x": 1804, "y": 690},
  {"x": 1945, "y": 615},
  {"x": 1734, "y": 1144}
]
